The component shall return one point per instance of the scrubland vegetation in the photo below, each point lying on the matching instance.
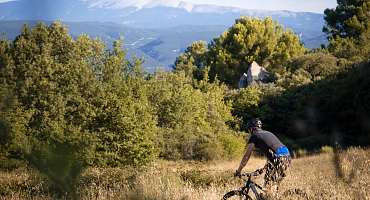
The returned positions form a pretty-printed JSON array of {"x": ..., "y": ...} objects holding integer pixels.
[{"x": 78, "y": 120}]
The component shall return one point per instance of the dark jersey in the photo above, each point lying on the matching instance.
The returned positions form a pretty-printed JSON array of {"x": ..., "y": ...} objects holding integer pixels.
[{"x": 265, "y": 141}]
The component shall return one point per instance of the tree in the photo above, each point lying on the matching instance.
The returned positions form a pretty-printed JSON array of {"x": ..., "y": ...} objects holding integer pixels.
[
  {"x": 349, "y": 19},
  {"x": 124, "y": 124},
  {"x": 52, "y": 81},
  {"x": 246, "y": 103},
  {"x": 194, "y": 60},
  {"x": 353, "y": 49},
  {"x": 309, "y": 68},
  {"x": 192, "y": 121},
  {"x": 348, "y": 29},
  {"x": 248, "y": 40},
  {"x": 74, "y": 92}
]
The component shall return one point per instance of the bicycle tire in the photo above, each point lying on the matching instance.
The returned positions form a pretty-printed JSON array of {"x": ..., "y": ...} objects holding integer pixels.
[{"x": 235, "y": 193}]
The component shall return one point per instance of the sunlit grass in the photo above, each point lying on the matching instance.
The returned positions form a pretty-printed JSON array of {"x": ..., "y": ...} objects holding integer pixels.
[{"x": 329, "y": 175}]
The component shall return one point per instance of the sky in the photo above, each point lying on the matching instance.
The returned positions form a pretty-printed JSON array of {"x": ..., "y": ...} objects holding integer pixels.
[{"x": 317, "y": 6}]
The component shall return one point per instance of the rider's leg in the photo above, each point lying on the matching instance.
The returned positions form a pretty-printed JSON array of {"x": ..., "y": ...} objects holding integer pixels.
[
  {"x": 269, "y": 186},
  {"x": 275, "y": 171},
  {"x": 281, "y": 166}
]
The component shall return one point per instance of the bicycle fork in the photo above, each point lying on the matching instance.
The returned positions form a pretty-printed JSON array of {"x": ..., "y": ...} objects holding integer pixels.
[{"x": 252, "y": 186}]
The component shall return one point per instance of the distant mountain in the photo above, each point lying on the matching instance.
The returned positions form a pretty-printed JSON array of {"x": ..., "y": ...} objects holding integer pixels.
[
  {"x": 159, "y": 47},
  {"x": 154, "y": 29},
  {"x": 151, "y": 14}
]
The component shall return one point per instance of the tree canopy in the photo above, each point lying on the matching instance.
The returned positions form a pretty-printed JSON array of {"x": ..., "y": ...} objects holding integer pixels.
[
  {"x": 349, "y": 19},
  {"x": 248, "y": 40},
  {"x": 62, "y": 89}
]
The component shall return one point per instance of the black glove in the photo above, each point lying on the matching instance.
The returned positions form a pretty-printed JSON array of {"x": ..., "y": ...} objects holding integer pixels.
[{"x": 237, "y": 173}]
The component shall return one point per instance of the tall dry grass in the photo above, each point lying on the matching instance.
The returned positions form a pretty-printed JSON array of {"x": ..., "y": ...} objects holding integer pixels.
[{"x": 330, "y": 175}]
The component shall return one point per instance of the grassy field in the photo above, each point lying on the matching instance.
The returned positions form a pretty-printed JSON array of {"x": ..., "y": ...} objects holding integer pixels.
[{"x": 330, "y": 175}]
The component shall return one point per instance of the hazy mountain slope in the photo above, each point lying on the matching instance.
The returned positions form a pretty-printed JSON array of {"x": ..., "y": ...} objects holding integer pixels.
[
  {"x": 159, "y": 47},
  {"x": 66, "y": 10}
]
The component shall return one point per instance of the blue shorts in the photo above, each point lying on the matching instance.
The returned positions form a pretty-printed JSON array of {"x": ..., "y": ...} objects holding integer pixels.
[{"x": 282, "y": 151}]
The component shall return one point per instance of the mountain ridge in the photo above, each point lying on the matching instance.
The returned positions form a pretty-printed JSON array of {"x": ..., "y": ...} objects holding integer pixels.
[{"x": 82, "y": 10}]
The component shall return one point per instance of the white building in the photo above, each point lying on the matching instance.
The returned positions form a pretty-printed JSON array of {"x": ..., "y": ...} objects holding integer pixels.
[{"x": 255, "y": 74}]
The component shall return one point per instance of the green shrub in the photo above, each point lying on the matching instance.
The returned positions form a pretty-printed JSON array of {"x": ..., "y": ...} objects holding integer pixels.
[
  {"x": 300, "y": 153},
  {"x": 61, "y": 164},
  {"x": 191, "y": 115},
  {"x": 233, "y": 145},
  {"x": 208, "y": 150},
  {"x": 326, "y": 149}
]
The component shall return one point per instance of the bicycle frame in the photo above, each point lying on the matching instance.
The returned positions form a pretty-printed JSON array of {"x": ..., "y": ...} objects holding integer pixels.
[{"x": 250, "y": 185}]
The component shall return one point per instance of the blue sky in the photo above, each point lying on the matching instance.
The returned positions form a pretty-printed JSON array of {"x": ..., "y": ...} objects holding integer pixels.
[{"x": 294, "y": 5}]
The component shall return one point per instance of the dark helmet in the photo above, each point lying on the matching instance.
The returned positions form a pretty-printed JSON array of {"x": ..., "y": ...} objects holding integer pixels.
[{"x": 254, "y": 123}]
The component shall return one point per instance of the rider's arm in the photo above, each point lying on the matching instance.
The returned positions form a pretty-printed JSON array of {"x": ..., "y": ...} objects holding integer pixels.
[{"x": 246, "y": 157}]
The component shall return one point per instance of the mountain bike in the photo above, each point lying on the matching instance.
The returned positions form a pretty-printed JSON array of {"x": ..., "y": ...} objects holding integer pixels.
[
  {"x": 243, "y": 193},
  {"x": 257, "y": 190}
]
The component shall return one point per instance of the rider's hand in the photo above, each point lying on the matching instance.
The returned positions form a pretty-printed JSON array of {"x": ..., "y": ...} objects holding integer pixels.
[{"x": 237, "y": 173}]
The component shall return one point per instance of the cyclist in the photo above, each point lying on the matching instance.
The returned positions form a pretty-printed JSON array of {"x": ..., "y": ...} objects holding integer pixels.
[{"x": 278, "y": 157}]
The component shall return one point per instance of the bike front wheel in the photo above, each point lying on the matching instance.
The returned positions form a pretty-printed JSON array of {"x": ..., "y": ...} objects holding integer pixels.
[{"x": 236, "y": 195}]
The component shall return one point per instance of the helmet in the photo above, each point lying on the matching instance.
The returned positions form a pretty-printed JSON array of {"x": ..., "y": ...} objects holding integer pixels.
[{"x": 254, "y": 123}]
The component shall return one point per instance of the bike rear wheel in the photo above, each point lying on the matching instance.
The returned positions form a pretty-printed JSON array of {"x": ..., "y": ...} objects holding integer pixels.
[{"x": 236, "y": 195}]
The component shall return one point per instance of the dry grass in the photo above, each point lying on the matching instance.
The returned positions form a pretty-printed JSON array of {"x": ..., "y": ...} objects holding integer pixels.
[{"x": 330, "y": 175}]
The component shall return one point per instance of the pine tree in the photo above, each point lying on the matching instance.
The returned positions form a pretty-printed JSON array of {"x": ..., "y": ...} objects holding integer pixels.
[
  {"x": 249, "y": 39},
  {"x": 349, "y": 19}
]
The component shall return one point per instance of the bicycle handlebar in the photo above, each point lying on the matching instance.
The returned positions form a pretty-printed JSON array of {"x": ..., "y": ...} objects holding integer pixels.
[{"x": 255, "y": 173}]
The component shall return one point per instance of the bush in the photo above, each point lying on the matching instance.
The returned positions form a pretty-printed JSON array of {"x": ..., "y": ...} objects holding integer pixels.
[
  {"x": 191, "y": 116},
  {"x": 233, "y": 145},
  {"x": 326, "y": 149},
  {"x": 300, "y": 153}
]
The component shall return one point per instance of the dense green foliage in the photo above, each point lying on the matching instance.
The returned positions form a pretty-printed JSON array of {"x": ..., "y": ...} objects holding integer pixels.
[
  {"x": 311, "y": 67},
  {"x": 192, "y": 117},
  {"x": 348, "y": 29},
  {"x": 349, "y": 19},
  {"x": 62, "y": 89},
  {"x": 331, "y": 111},
  {"x": 59, "y": 91},
  {"x": 353, "y": 49},
  {"x": 194, "y": 60},
  {"x": 248, "y": 40}
]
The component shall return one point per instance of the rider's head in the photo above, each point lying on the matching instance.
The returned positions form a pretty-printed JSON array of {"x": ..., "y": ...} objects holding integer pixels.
[{"x": 254, "y": 124}]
